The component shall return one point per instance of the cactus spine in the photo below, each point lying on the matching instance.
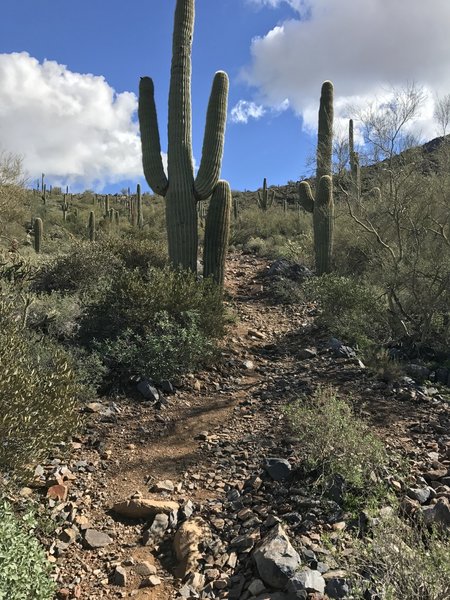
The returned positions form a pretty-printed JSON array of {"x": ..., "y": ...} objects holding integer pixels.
[
  {"x": 92, "y": 226},
  {"x": 322, "y": 207},
  {"x": 38, "y": 233},
  {"x": 265, "y": 198},
  {"x": 181, "y": 190},
  {"x": 217, "y": 231}
]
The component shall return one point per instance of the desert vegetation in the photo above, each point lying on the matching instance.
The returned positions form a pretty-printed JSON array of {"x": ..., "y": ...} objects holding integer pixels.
[{"x": 115, "y": 345}]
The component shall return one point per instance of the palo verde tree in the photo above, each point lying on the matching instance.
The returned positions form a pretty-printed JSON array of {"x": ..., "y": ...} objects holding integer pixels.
[{"x": 180, "y": 188}]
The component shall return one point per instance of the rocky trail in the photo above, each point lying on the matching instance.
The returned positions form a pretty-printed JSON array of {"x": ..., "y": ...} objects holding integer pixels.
[{"x": 193, "y": 492}]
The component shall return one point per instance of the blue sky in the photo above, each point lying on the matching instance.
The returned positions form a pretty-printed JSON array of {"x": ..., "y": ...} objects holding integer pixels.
[{"x": 277, "y": 53}]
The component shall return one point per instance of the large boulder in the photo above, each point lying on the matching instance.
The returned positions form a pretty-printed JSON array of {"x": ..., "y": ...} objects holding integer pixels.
[{"x": 276, "y": 559}]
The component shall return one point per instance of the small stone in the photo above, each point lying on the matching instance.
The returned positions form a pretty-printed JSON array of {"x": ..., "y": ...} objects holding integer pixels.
[
  {"x": 144, "y": 508},
  {"x": 58, "y": 492},
  {"x": 167, "y": 386},
  {"x": 144, "y": 569},
  {"x": 163, "y": 486},
  {"x": 249, "y": 365},
  {"x": 94, "y": 407},
  {"x": 337, "y": 588},
  {"x": 306, "y": 353},
  {"x": 96, "y": 539},
  {"x": 276, "y": 560},
  {"x": 278, "y": 468},
  {"x": 120, "y": 577},
  {"x": 146, "y": 389},
  {"x": 68, "y": 535},
  {"x": 437, "y": 514},
  {"x": 151, "y": 581},
  {"x": 26, "y": 492},
  {"x": 419, "y": 494},
  {"x": 256, "y": 587},
  {"x": 156, "y": 530}
]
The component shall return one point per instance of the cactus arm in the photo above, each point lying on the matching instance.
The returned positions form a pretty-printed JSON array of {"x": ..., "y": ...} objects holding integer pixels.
[
  {"x": 180, "y": 162},
  {"x": 271, "y": 198},
  {"x": 325, "y": 134},
  {"x": 213, "y": 143},
  {"x": 323, "y": 225},
  {"x": 306, "y": 199},
  {"x": 151, "y": 145},
  {"x": 217, "y": 230}
]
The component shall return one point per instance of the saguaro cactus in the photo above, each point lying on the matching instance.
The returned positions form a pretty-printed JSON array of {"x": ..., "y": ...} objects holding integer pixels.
[
  {"x": 355, "y": 168},
  {"x": 92, "y": 226},
  {"x": 217, "y": 231},
  {"x": 181, "y": 190},
  {"x": 38, "y": 233},
  {"x": 140, "y": 215},
  {"x": 265, "y": 198},
  {"x": 322, "y": 207}
]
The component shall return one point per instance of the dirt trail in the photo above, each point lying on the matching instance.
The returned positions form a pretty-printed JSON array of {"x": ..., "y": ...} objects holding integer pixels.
[{"x": 233, "y": 410}]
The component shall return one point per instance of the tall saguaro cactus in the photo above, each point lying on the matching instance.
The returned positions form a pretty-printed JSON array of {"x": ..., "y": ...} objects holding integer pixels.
[
  {"x": 322, "y": 206},
  {"x": 181, "y": 189},
  {"x": 38, "y": 233},
  {"x": 265, "y": 198},
  {"x": 355, "y": 168}
]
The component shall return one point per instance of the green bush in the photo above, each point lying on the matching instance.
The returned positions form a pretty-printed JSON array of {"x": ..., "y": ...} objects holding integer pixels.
[
  {"x": 24, "y": 570},
  {"x": 402, "y": 560},
  {"x": 38, "y": 392},
  {"x": 351, "y": 310},
  {"x": 334, "y": 441},
  {"x": 167, "y": 349},
  {"x": 164, "y": 312}
]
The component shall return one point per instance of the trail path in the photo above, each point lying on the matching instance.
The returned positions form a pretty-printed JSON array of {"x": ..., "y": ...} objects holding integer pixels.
[{"x": 212, "y": 436}]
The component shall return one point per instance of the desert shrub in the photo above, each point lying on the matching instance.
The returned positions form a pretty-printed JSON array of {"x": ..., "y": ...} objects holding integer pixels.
[
  {"x": 161, "y": 307},
  {"x": 24, "y": 570},
  {"x": 163, "y": 351},
  {"x": 85, "y": 267},
  {"x": 55, "y": 314},
  {"x": 268, "y": 233},
  {"x": 138, "y": 253},
  {"x": 38, "y": 392},
  {"x": 334, "y": 441},
  {"x": 12, "y": 194},
  {"x": 402, "y": 560},
  {"x": 350, "y": 309}
]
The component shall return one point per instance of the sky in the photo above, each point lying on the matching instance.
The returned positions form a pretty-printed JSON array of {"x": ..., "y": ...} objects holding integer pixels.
[{"x": 69, "y": 75}]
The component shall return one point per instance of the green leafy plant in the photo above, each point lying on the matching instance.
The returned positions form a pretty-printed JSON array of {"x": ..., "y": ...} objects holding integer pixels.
[
  {"x": 334, "y": 441},
  {"x": 24, "y": 570},
  {"x": 401, "y": 560},
  {"x": 39, "y": 392},
  {"x": 350, "y": 310}
]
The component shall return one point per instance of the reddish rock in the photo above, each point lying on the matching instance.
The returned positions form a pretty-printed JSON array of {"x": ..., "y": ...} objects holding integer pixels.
[{"x": 58, "y": 492}]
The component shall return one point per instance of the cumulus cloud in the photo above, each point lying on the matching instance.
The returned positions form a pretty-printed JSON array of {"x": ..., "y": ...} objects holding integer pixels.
[
  {"x": 245, "y": 110},
  {"x": 362, "y": 49},
  {"x": 71, "y": 126}
]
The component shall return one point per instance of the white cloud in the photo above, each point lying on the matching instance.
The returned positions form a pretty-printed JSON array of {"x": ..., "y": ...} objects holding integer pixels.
[
  {"x": 71, "y": 126},
  {"x": 245, "y": 110},
  {"x": 359, "y": 47}
]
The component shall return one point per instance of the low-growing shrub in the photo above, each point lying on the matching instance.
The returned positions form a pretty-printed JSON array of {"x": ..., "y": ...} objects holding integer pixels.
[
  {"x": 401, "y": 560},
  {"x": 39, "y": 392},
  {"x": 351, "y": 310},
  {"x": 334, "y": 441},
  {"x": 165, "y": 350},
  {"x": 24, "y": 570},
  {"x": 161, "y": 323}
]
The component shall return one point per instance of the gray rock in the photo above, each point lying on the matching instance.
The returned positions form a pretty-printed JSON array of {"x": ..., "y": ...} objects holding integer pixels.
[
  {"x": 167, "y": 386},
  {"x": 185, "y": 511},
  {"x": 337, "y": 588},
  {"x": 144, "y": 569},
  {"x": 120, "y": 577},
  {"x": 256, "y": 587},
  {"x": 278, "y": 468},
  {"x": 340, "y": 350},
  {"x": 156, "y": 530},
  {"x": 420, "y": 494},
  {"x": 309, "y": 580},
  {"x": 146, "y": 389},
  {"x": 275, "y": 558},
  {"x": 418, "y": 371},
  {"x": 285, "y": 268},
  {"x": 437, "y": 514},
  {"x": 96, "y": 539},
  {"x": 306, "y": 353}
]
